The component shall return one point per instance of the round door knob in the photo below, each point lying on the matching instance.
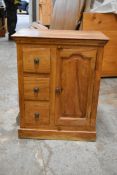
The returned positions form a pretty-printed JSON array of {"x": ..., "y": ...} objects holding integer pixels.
[
  {"x": 37, "y": 115},
  {"x": 36, "y": 90},
  {"x": 58, "y": 90},
  {"x": 60, "y": 47},
  {"x": 36, "y": 60}
]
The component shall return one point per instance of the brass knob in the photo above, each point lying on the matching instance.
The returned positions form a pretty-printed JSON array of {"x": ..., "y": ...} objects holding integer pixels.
[
  {"x": 36, "y": 90},
  {"x": 37, "y": 115},
  {"x": 36, "y": 60},
  {"x": 58, "y": 90},
  {"x": 60, "y": 47}
]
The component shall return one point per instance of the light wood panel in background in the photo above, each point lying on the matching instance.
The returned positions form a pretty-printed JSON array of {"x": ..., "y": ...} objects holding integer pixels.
[{"x": 107, "y": 23}]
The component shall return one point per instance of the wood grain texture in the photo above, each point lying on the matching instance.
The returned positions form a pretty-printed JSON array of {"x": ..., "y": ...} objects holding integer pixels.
[
  {"x": 20, "y": 83},
  {"x": 75, "y": 72},
  {"x": 57, "y": 135},
  {"x": 96, "y": 21},
  {"x": 109, "y": 67},
  {"x": 56, "y": 14},
  {"x": 41, "y": 84},
  {"x": 63, "y": 9},
  {"x": 36, "y": 108},
  {"x": 38, "y": 26},
  {"x": 45, "y": 11},
  {"x": 96, "y": 88},
  {"x": 61, "y": 34},
  {"x": 42, "y": 55},
  {"x": 75, "y": 65},
  {"x": 101, "y": 22}
]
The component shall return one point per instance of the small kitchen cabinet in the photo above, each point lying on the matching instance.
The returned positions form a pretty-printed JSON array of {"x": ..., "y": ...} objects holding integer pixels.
[{"x": 59, "y": 78}]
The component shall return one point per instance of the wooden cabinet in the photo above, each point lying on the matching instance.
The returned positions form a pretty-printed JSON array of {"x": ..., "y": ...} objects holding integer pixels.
[
  {"x": 106, "y": 23},
  {"x": 59, "y": 76}
]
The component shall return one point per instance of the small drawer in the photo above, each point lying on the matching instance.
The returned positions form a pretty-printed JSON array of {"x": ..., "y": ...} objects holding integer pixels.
[
  {"x": 36, "y": 88},
  {"x": 36, "y": 113},
  {"x": 36, "y": 60}
]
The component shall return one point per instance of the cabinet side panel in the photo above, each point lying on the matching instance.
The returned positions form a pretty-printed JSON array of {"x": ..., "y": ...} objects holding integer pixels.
[
  {"x": 96, "y": 89},
  {"x": 20, "y": 82}
]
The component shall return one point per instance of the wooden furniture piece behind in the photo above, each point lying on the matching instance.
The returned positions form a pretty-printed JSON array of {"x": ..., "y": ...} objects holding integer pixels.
[
  {"x": 59, "y": 78},
  {"x": 55, "y": 16},
  {"x": 55, "y": 19},
  {"x": 107, "y": 23},
  {"x": 66, "y": 14},
  {"x": 45, "y": 11}
]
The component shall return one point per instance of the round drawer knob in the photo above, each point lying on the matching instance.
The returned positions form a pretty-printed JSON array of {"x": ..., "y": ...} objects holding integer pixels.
[
  {"x": 36, "y": 90},
  {"x": 36, "y": 61},
  {"x": 58, "y": 90},
  {"x": 37, "y": 115},
  {"x": 60, "y": 47}
]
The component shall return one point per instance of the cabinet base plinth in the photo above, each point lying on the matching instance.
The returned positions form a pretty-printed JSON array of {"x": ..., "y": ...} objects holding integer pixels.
[{"x": 57, "y": 135}]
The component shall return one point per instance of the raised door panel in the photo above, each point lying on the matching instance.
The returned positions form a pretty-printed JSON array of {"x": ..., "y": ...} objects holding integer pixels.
[{"x": 74, "y": 86}]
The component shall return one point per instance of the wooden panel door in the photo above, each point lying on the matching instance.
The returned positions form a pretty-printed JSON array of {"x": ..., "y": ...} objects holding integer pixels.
[{"x": 74, "y": 86}]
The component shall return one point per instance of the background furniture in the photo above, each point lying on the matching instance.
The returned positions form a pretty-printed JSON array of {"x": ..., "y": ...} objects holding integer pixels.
[
  {"x": 48, "y": 18},
  {"x": 45, "y": 11},
  {"x": 59, "y": 77},
  {"x": 67, "y": 14},
  {"x": 107, "y": 23},
  {"x": 58, "y": 11}
]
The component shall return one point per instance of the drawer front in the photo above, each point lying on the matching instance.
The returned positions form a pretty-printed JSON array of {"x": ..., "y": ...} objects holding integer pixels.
[
  {"x": 36, "y": 88},
  {"x": 36, "y": 113},
  {"x": 36, "y": 60}
]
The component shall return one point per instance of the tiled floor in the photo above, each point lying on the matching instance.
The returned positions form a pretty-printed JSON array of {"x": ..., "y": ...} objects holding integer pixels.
[{"x": 36, "y": 157}]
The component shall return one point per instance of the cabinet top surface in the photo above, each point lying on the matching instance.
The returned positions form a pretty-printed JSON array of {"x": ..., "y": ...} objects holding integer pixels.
[{"x": 60, "y": 34}]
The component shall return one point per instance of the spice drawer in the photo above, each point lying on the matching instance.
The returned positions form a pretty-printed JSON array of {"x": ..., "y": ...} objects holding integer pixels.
[
  {"x": 36, "y": 88},
  {"x": 36, "y": 113},
  {"x": 36, "y": 60}
]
